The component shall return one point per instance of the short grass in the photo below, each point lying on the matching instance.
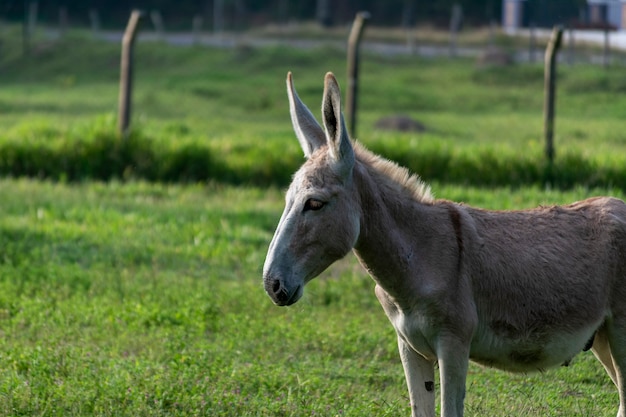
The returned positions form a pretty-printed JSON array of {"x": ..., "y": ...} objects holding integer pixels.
[{"x": 126, "y": 299}]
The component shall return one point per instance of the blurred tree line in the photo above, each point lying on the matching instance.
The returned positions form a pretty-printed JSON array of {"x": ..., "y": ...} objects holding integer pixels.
[{"x": 239, "y": 14}]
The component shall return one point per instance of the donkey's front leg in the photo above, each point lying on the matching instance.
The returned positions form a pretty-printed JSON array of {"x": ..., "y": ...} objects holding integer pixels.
[
  {"x": 420, "y": 379},
  {"x": 453, "y": 358}
]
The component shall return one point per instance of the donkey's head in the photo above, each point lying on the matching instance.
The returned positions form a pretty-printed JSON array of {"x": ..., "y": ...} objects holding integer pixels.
[{"x": 320, "y": 223}]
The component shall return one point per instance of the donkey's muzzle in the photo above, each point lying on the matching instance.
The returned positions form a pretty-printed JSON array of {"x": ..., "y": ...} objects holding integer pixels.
[{"x": 281, "y": 294}]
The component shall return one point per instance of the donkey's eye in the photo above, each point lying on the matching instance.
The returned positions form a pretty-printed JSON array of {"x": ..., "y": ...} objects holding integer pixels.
[{"x": 313, "y": 204}]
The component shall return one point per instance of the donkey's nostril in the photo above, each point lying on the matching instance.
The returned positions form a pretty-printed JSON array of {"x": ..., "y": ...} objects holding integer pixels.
[
  {"x": 276, "y": 287},
  {"x": 280, "y": 293},
  {"x": 275, "y": 290}
]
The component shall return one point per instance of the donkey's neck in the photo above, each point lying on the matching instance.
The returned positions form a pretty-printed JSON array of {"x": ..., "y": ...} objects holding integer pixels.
[{"x": 398, "y": 232}]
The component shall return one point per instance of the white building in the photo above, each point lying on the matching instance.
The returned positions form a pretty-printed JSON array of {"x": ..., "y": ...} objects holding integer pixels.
[
  {"x": 512, "y": 14},
  {"x": 612, "y": 12}
]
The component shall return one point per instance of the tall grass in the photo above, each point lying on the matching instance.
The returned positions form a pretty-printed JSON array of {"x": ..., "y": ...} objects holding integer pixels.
[
  {"x": 97, "y": 152},
  {"x": 207, "y": 114}
]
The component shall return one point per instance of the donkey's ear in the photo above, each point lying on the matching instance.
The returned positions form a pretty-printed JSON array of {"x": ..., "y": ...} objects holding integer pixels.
[
  {"x": 339, "y": 144},
  {"x": 308, "y": 130}
]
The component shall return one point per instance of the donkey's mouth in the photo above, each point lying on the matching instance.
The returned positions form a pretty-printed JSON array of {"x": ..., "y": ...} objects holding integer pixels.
[{"x": 293, "y": 298}]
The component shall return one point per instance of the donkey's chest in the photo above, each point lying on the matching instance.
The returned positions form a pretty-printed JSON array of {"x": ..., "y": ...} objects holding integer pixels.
[
  {"x": 417, "y": 332},
  {"x": 414, "y": 328}
]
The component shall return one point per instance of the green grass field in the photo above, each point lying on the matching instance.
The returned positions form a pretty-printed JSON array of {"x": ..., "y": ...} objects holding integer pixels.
[
  {"x": 146, "y": 299},
  {"x": 137, "y": 298}
]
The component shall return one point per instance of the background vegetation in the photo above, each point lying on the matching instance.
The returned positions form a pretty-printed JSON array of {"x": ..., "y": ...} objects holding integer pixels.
[
  {"x": 209, "y": 114},
  {"x": 134, "y": 297},
  {"x": 246, "y": 13}
]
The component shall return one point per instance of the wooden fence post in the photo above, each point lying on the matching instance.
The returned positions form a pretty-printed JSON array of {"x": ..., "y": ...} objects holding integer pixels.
[
  {"x": 25, "y": 31},
  {"x": 408, "y": 24},
  {"x": 196, "y": 28},
  {"x": 532, "y": 42},
  {"x": 606, "y": 55},
  {"x": 549, "y": 92},
  {"x": 353, "y": 68},
  {"x": 30, "y": 22},
  {"x": 94, "y": 20},
  {"x": 570, "y": 45},
  {"x": 456, "y": 19},
  {"x": 157, "y": 22},
  {"x": 33, "y": 11},
  {"x": 126, "y": 75},
  {"x": 323, "y": 13},
  {"x": 218, "y": 17},
  {"x": 63, "y": 20}
]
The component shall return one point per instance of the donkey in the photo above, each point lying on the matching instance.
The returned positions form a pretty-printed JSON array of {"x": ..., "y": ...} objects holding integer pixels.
[{"x": 518, "y": 290}]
